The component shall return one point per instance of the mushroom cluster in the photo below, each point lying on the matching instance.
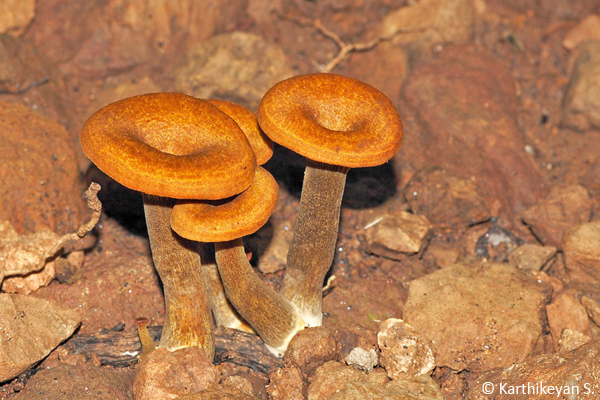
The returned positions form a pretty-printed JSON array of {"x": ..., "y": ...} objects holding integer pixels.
[{"x": 197, "y": 164}]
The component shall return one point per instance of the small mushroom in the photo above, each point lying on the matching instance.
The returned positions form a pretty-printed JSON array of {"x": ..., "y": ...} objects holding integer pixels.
[
  {"x": 275, "y": 319},
  {"x": 172, "y": 146},
  {"x": 337, "y": 123}
]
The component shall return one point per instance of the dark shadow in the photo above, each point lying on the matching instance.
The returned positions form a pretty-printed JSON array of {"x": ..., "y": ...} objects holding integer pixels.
[
  {"x": 118, "y": 202},
  {"x": 365, "y": 187}
]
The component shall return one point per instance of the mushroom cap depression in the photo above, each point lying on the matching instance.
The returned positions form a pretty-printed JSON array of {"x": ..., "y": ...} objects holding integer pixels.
[
  {"x": 332, "y": 119},
  {"x": 240, "y": 216},
  {"x": 170, "y": 145},
  {"x": 260, "y": 143}
]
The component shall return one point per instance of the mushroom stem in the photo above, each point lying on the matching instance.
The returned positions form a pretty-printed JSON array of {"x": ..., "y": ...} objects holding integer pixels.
[
  {"x": 188, "y": 320},
  {"x": 274, "y": 318},
  {"x": 223, "y": 312},
  {"x": 315, "y": 235}
]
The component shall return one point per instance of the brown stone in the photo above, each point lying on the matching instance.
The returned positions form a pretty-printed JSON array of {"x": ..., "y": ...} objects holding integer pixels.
[
  {"x": 446, "y": 200},
  {"x": 164, "y": 374},
  {"x": 581, "y": 105},
  {"x": 531, "y": 257},
  {"x": 396, "y": 234},
  {"x": 575, "y": 373},
  {"x": 466, "y": 104},
  {"x": 39, "y": 169},
  {"x": 31, "y": 329},
  {"x": 310, "y": 348},
  {"x": 563, "y": 207},
  {"x": 82, "y": 381},
  {"x": 581, "y": 247},
  {"x": 232, "y": 67},
  {"x": 15, "y": 15},
  {"x": 586, "y": 29},
  {"x": 566, "y": 312},
  {"x": 404, "y": 353},
  {"x": 592, "y": 307},
  {"x": 286, "y": 384},
  {"x": 478, "y": 316}
]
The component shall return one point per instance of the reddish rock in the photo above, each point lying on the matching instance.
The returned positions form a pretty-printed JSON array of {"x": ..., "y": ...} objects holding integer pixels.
[
  {"x": 467, "y": 105},
  {"x": 446, "y": 200},
  {"x": 286, "y": 384},
  {"x": 531, "y": 257},
  {"x": 312, "y": 347},
  {"x": 404, "y": 353},
  {"x": 231, "y": 66},
  {"x": 478, "y": 316},
  {"x": 232, "y": 388},
  {"x": 15, "y": 15},
  {"x": 586, "y": 29},
  {"x": 566, "y": 312},
  {"x": 39, "y": 169},
  {"x": 82, "y": 381},
  {"x": 164, "y": 374},
  {"x": 563, "y": 207},
  {"x": 396, "y": 234},
  {"x": 581, "y": 248},
  {"x": 575, "y": 373},
  {"x": 581, "y": 106}
]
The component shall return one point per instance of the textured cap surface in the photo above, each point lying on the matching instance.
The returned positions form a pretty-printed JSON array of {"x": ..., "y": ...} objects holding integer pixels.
[
  {"x": 171, "y": 145},
  {"x": 260, "y": 143},
  {"x": 240, "y": 216},
  {"x": 332, "y": 119}
]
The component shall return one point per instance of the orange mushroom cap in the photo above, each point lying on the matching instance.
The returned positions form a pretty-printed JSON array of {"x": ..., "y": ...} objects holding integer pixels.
[
  {"x": 170, "y": 145},
  {"x": 260, "y": 143},
  {"x": 241, "y": 216},
  {"x": 332, "y": 119}
]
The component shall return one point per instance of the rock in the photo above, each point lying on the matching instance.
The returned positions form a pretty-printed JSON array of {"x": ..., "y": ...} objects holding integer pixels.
[
  {"x": 587, "y": 29},
  {"x": 335, "y": 381},
  {"x": 332, "y": 376},
  {"x": 575, "y": 373},
  {"x": 428, "y": 22},
  {"x": 82, "y": 381},
  {"x": 31, "y": 329},
  {"x": 310, "y": 348},
  {"x": 466, "y": 105},
  {"x": 479, "y": 316},
  {"x": 404, "y": 353},
  {"x": 566, "y": 312},
  {"x": 444, "y": 250},
  {"x": 286, "y": 384},
  {"x": 396, "y": 234},
  {"x": 581, "y": 105},
  {"x": 232, "y": 388},
  {"x": 592, "y": 308},
  {"x": 531, "y": 257},
  {"x": 117, "y": 283},
  {"x": 233, "y": 67},
  {"x": 363, "y": 304},
  {"x": 570, "y": 339},
  {"x": 362, "y": 359},
  {"x": 421, "y": 388},
  {"x": 490, "y": 242},
  {"x": 581, "y": 247},
  {"x": 15, "y": 16},
  {"x": 446, "y": 200},
  {"x": 20, "y": 258},
  {"x": 163, "y": 374},
  {"x": 563, "y": 207},
  {"x": 40, "y": 170}
]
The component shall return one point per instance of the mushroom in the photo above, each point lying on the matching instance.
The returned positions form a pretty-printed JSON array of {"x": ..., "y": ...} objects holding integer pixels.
[
  {"x": 337, "y": 123},
  {"x": 172, "y": 146},
  {"x": 223, "y": 312},
  {"x": 275, "y": 319}
]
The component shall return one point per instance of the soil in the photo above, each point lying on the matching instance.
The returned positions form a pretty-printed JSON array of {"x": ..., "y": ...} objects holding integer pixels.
[{"x": 487, "y": 158}]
